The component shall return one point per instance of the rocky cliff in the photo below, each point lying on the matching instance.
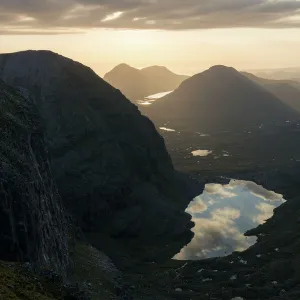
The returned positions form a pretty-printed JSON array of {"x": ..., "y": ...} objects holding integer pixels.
[
  {"x": 32, "y": 220},
  {"x": 111, "y": 166}
]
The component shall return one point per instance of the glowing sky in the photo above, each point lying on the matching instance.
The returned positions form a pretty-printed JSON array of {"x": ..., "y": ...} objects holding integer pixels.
[{"x": 186, "y": 36}]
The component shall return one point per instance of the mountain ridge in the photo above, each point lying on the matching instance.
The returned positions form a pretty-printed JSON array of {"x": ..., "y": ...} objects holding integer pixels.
[
  {"x": 136, "y": 84},
  {"x": 220, "y": 98},
  {"x": 288, "y": 91}
]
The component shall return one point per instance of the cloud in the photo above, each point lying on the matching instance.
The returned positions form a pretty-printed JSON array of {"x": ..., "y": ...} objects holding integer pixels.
[
  {"x": 258, "y": 190},
  {"x": 216, "y": 236},
  {"x": 147, "y": 14},
  {"x": 196, "y": 206},
  {"x": 226, "y": 214},
  {"x": 219, "y": 190},
  {"x": 266, "y": 212}
]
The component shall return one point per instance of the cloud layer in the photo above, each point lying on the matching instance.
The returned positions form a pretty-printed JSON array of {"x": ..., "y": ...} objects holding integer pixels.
[
  {"x": 51, "y": 15},
  {"x": 257, "y": 190}
]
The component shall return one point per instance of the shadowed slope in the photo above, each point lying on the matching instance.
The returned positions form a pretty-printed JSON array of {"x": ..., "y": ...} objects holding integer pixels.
[{"x": 219, "y": 99}]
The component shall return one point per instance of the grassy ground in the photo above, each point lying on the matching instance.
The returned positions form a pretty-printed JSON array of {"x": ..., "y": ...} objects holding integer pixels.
[{"x": 17, "y": 284}]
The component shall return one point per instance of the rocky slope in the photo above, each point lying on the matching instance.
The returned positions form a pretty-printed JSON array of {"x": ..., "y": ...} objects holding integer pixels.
[
  {"x": 220, "y": 99},
  {"x": 32, "y": 220},
  {"x": 111, "y": 166},
  {"x": 137, "y": 84}
]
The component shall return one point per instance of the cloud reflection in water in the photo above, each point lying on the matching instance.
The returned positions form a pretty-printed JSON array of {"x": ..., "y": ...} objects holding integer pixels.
[{"x": 223, "y": 213}]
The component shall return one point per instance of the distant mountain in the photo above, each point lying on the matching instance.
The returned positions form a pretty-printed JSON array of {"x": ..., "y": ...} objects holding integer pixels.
[
  {"x": 220, "y": 99},
  {"x": 137, "y": 84},
  {"x": 279, "y": 73},
  {"x": 129, "y": 81},
  {"x": 287, "y": 91},
  {"x": 160, "y": 79}
]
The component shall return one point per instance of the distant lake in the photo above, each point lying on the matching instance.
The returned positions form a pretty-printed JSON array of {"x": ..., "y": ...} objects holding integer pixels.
[
  {"x": 152, "y": 98},
  {"x": 158, "y": 95},
  {"x": 223, "y": 213},
  {"x": 201, "y": 152},
  {"x": 167, "y": 129}
]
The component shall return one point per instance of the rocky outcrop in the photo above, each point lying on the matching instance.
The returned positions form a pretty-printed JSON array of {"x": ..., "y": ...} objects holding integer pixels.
[
  {"x": 111, "y": 166},
  {"x": 32, "y": 220}
]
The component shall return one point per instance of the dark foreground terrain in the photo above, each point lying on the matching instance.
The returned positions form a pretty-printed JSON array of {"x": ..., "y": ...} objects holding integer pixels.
[{"x": 92, "y": 208}]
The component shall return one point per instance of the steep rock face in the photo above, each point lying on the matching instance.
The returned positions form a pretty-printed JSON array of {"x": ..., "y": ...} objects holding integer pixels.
[
  {"x": 110, "y": 164},
  {"x": 31, "y": 217}
]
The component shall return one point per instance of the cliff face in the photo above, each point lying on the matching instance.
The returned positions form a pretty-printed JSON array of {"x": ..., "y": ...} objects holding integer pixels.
[
  {"x": 110, "y": 164},
  {"x": 31, "y": 217}
]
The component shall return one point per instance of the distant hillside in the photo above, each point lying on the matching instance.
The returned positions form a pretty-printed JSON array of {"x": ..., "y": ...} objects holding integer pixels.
[
  {"x": 279, "y": 74},
  {"x": 287, "y": 91},
  {"x": 220, "y": 99},
  {"x": 137, "y": 84}
]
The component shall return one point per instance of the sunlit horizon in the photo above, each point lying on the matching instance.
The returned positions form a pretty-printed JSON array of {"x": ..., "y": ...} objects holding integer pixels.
[{"x": 184, "y": 52}]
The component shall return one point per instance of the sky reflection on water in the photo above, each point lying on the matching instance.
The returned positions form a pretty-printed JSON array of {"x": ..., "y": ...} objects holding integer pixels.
[
  {"x": 201, "y": 152},
  {"x": 223, "y": 213},
  {"x": 159, "y": 95}
]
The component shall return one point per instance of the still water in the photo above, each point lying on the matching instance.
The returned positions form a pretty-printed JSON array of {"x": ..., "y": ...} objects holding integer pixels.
[
  {"x": 158, "y": 95},
  {"x": 201, "y": 152},
  {"x": 152, "y": 98},
  {"x": 223, "y": 213}
]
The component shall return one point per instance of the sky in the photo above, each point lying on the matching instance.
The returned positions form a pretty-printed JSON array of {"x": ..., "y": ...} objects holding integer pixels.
[{"x": 187, "y": 36}]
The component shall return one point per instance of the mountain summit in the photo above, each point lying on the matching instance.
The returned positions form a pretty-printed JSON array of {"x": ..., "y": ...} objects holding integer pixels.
[
  {"x": 137, "y": 84},
  {"x": 219, "y": 99}
]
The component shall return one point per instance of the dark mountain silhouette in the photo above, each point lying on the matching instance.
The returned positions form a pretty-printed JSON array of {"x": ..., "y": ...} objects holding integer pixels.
[
  {"x": 287, "y": 91},
  {"x": 219, "y": 99},
  {"x": 137, "y": 84},
  {"x": 110, "y": 164}
]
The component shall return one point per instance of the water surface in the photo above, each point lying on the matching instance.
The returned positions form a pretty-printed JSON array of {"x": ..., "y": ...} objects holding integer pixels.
[
  {"x": 223, "y": 213},
  {"x": 201, "y": 152},
  {"x": 159, "y": 95},
  {"x": 167, "y": 129}
]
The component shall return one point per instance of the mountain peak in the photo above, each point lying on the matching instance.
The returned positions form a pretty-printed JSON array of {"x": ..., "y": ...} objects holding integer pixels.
[
  {"x": 222, "y": 68},
  {"x": 156, "y": 68},
  {"x": 219, "y": 98},
  {"x": 137, "y": 84},
  {"x": 124, "y": 66}
]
